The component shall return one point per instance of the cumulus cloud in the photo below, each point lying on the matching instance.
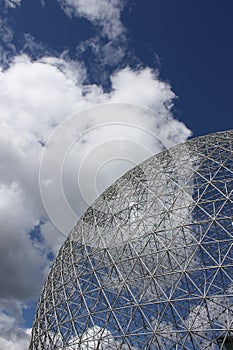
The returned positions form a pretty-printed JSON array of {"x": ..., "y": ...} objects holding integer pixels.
[
  {"x": 20, "y": 259},
  {"x": 11, "y": 335},
  {"x": 142, "y": 87},
  {"x": 14, "y": 338},
  {"x": 90, "y": 140},
  {"x": 36, "y": 97}
]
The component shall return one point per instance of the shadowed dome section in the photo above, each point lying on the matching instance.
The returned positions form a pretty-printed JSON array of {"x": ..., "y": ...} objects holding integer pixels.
[{"x": 150, "y": 263}]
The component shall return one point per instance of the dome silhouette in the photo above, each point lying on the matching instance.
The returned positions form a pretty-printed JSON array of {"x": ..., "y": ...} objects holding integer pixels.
[{"x": 150, "y": 263}]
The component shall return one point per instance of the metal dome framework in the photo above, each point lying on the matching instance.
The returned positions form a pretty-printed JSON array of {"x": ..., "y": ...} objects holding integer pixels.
[{"x": 150, "y": 264}]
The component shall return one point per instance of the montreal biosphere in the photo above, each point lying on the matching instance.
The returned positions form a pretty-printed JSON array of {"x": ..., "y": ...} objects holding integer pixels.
[{"x": 150, "y": 263}]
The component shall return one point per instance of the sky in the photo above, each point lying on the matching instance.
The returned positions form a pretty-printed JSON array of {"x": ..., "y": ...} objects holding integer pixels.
[{"x": 88, "y": 89}]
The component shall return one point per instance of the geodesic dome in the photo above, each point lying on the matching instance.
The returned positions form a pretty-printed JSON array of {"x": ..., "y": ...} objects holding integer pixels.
[{"x": 150, "y": 263}]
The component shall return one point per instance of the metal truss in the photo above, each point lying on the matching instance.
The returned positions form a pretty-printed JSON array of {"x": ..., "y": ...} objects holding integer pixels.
[{"x": 150, "y": 264}]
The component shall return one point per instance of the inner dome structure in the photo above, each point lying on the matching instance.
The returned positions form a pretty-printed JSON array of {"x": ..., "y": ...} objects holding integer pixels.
[{"x": 150, "y": 264}]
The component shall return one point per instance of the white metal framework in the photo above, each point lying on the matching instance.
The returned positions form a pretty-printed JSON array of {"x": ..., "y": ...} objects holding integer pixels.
[{"x": 150, "y": 264}]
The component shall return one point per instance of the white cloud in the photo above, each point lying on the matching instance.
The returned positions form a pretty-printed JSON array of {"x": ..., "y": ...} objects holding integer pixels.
[
  {"x": 142, "y": 87},
  {"x": 11, "y": 335},
  {"x": 89, "y": 139},
  {"x": 35, "y": 97},
  {"x": 20, "y": 259},
  {"x": 105, "y": 13},
  {"x": 14, "y": 338}
]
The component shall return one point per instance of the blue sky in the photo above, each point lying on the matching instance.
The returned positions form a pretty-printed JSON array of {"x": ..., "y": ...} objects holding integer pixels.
[
  {"x": 189, "y": 41},
  {"x": 59, "y": 58},
  {"x": 193, "y": 40}
]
